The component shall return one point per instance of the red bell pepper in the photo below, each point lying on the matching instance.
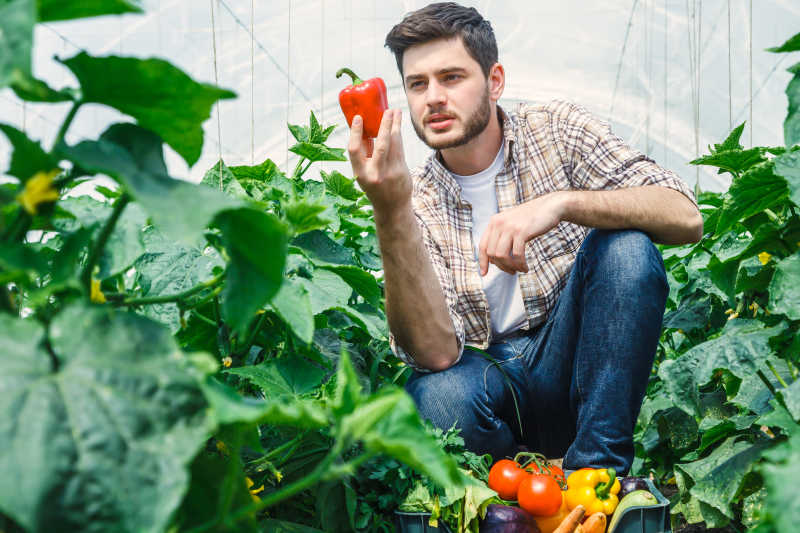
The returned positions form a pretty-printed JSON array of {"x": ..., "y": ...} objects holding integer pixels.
[{"x": 365, "y": 98}]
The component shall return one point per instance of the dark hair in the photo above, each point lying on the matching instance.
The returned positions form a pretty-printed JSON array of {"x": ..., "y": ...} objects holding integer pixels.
[{"x": 445, "y": 19}]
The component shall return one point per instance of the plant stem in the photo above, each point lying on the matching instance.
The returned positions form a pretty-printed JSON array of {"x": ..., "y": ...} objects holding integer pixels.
[
  {"x": 204, "y": 318},
  {"x": 62, "y": 131},
  {"x": 102, "y": 239},
  {"x": 279, "y": 450},
  {"x": 286, "y": 492},
  {"x": 252, "y": 338},
  {"x": 296, "y": 174},
  {"x": 168, "y": 298},
  {"x": 304, "y": 169},
  {"x": 775, "y": 372}
]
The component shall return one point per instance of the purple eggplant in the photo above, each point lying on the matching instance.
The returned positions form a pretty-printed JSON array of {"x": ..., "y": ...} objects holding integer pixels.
[
  {"x": 630, "y": 484},
  {"x": 507, "y": 519}
]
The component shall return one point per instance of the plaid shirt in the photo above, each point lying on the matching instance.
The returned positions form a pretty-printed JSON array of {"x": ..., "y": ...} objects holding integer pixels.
[{"x": 552, "y": 147}]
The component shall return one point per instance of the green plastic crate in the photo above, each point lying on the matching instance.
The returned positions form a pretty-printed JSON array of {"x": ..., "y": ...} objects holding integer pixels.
[{"x": 652, "y": 519}]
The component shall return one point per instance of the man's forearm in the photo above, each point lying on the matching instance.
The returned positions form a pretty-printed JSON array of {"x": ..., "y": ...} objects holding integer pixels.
[
  {"x": 416, "y": 308},
  {"x": 665, "y": 214}
]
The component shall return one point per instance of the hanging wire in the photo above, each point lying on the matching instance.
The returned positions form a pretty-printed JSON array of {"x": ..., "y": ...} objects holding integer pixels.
[
  {"x": 750, "y": 58},
  {"x": 730, "y": 70},
  {"x": 322, "y": 67},
  {"x": 288, "y": 80},
  {"x": 666, "y": 77},
  {"x": 695, "y": 41},
  {"x": 621, "y": 57},
  {"x": 216, "y": 82},
  {"x": 252, "y": 85},
  {"x": 299, "y": 90}
]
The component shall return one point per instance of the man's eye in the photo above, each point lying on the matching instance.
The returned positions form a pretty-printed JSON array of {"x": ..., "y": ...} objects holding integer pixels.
[
  {"x": 415, "y": 85},
  {"x": 451, "y": 77}
]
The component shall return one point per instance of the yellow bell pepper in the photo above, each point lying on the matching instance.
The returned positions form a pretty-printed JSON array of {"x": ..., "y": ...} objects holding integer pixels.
[{"x": 594, "y": 488}]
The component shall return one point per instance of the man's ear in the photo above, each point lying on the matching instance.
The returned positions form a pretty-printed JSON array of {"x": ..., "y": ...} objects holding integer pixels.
[{"x": 496, "y": 81}]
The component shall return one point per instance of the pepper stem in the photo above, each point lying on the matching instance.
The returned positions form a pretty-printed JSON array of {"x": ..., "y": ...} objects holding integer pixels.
[
  {"x": 356, "y": 79},
  {"x": 604, "y": 489}
]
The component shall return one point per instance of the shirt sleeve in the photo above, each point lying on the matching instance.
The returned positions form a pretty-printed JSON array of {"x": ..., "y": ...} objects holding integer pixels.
[
  {"x": 600, "y": 160},
  {"x": 445, "y": 277}
]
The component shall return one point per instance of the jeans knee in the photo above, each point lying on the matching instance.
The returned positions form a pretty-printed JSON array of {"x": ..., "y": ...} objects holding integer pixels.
[{"x": 628, "y": 256}]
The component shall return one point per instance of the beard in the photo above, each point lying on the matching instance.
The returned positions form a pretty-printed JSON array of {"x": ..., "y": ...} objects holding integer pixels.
[{"x": 473, "y": 126}]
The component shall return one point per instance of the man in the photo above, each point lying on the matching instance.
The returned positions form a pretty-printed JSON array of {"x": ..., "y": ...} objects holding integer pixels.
[{"x": 490, "y": 245}]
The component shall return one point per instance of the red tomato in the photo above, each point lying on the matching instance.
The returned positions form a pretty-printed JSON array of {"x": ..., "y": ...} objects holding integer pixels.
[
  {"x": 504, "y": 478},
  {"x": 555, "y": 472},
  {"x": 539, "y": 494}
]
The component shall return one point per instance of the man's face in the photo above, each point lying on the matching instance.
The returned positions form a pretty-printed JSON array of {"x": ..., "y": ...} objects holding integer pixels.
[{"x": 447, "y": 93}]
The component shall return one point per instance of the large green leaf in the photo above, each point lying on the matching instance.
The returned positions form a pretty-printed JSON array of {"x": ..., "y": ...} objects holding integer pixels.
[
  {"x": 321, "y": 249},
  {"x": 212, "y": 478},
  {"x": 229, "y": 407},
  {"x": 28, "y": 157},
  {"x": 792, "y": 45},
  {"x": 734, "y": 161},
  {"x": 53, "y": 10},
  {"x": 134, "y": 157},
  {"x": 102, "y": 442},
  {"x": 293, "y": 305},
  {"x": 256, "y": 243},
  {"x": 718, "y": 477},
  {"x": 340, "y": 185},
  {"x": 788, "y": 166},
  {"x": 170, "y": 268},
  {"x": 34, "y": 90},
  {"x": 318, "y": 152},
  {"x": 305, "y": 216},
  {"x": 757, "y": 189},
  {"x": 739, "y": 350},
  {"x": 791, "y": 126},
  {"x": 161, "y": 97},
  {"x": 362, "y": 281},
  {"x": 124, "y": 245},
  {"x": 290, "y": 376},
  {"x": 17, "y": 18},
  {"x": 327, "y": 290},
  {"x": 220, "y": 177},
  {"x": 784, "y": 292}
]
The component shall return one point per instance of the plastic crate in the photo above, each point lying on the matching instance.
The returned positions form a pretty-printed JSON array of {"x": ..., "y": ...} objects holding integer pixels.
[
  {"x": 652, "y": 519},
  {"x": 417, "y": 523}
]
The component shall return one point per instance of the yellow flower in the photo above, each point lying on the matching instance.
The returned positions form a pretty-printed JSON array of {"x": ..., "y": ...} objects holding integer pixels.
[
  {"x": 227, "y": 361},
  {"x": 278, "y": 475},
  {"x": 255, "y": 491},
  {"x": 38, "y": 190},
  {"x": 764, "y": 257},
  {"x": 96, "y": 295},
  {"x": 222, "y": 447}
]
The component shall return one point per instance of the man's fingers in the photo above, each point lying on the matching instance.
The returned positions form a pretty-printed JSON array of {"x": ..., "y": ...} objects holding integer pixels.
[
  {"x": 382, "y": 142},
  {"x": 519, "y": 253},
  {"x": 355, "y": 146},
  {"x": 397, "y": 136},
  {"x": 483, "y": 258}
]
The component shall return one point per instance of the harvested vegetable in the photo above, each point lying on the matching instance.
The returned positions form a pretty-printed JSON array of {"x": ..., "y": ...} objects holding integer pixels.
[
  {"x": 637, "y": 498},
  {"x": 594, "y": 488},
  {"x": 507, "y": 519},
  {"x": 572, "y": 521}
]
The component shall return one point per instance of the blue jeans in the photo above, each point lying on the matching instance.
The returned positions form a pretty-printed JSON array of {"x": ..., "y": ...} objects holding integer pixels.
[{"x": 578, "y": 379}]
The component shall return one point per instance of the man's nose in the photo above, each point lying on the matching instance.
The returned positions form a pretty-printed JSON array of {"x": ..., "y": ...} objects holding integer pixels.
[{"x": 435, "y": 95}]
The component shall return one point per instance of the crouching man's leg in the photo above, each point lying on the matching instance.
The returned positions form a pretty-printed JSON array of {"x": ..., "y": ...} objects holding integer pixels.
[
  {"x": 616, "y": 301},
  {"x": 475, "y": 396},
  {"x": 589, "y": 363}
]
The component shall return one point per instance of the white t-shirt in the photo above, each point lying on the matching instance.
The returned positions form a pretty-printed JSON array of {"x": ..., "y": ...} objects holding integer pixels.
[{"x": 506, "y": 306}]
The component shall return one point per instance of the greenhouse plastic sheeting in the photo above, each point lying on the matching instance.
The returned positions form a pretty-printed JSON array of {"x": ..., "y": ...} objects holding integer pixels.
[{"x": 671, "y": 76}]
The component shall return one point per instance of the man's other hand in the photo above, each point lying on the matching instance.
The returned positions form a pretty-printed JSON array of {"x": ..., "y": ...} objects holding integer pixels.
[{"x": 503, "y": 240}]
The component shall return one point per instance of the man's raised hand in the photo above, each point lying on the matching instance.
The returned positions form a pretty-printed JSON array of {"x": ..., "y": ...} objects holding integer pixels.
[{"x": 383, "y": 175}]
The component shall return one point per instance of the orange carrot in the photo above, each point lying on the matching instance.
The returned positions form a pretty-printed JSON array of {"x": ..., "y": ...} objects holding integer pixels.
[
  {"x": 596, "y": 523},
  {"x": 572, "y": 521}
]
